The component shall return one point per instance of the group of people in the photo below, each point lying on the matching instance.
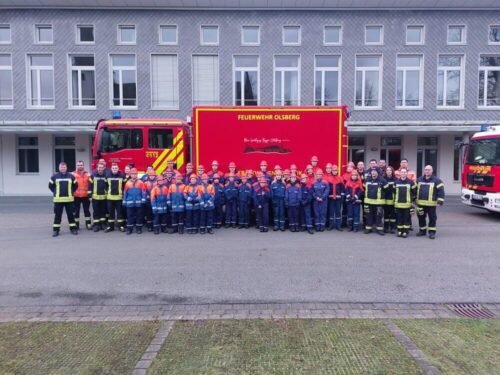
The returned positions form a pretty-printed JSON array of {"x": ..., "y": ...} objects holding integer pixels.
[{"x": 379, "y": 197}]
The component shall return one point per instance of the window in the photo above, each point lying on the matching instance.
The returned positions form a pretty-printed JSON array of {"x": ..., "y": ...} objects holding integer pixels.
[
  {"x": 456, "y": 34},
  {"x": 44, "y": 34},
  {"x": 286, "y": 80},
  {"x": 409, "y": 81},
  {"x": 356, "y": 149},
  {"x": 205, "y": 80},
  {"x": 457, "y": 159},
  {"x": 5, "y": 35},
  {"x": 327, "y": 80},
  {"x": 332, "y": 35},
  {"x": 64, "y": 151},
  {"x": 494, "y": 35},
  {"x": 414, "y": 35},
  {"x": 6, "y": 99},
  {"x": 246, "y": 80},
  {"x": 27, "y": 155},
  {"x": 40, "y": 81},
  {"x": 374, "y": 35},
  {"x": 291, "y": 35},
  {"x": 112, "y": 140},
  {"x": 168, "y": 34},
  {"x": 85, "y": 34},
  {"x": 82, "y": 71},
  {"x": 164, "y": 82},
  {"x": 368, "y": 87},
  {"x": 489, "y": 81},
  {"x": 390, "y": 150},
  {"x": 250, "y": 35},
  {"x": 450, "y": 81},
  {"x": 161, "y": 138},
  {"x": 210, "y": 35},
  {"x": 126, "y": 34},
  {"x": 427, "y": 154},
  {"x": 124, "y": 81}
]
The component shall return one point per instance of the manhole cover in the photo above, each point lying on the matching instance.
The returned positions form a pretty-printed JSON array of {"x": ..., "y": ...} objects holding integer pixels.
[{"x": 471, "y": 310}]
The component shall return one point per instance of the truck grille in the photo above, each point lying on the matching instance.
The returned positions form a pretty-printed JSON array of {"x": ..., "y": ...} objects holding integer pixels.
[{"x": 485, "y": 180}]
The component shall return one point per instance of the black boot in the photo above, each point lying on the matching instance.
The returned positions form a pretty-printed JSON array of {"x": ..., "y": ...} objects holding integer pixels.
[
  {"x": 181, "y": 229},
  {"x": 88, "y": 224},
  {"x": 421, "y": 233},
  {"x": 203, "y": 231},
  {"x": 150, "y": 227},
  {"x": 210, "y": 231},
  {"x": 386, "y": 227},
  {"x": 97, "y": 227},
  {"x": 432, "y": 235},
  {"x": 392, "y": 228},
  {"x": 381, "y": 232},
  {"x": 310, "y": 231},
  {"x": 129, "y": 231},
  {"x": 109, "y": 228},
  {"x": 339, "y": 229},
  {"x": 138, "y": 230},
  {"x": 157, "y": 230},
  {"x": 74, "y": 231},
  {"x": 55, "y": 233},
  {"x": 77, "y": 225}
]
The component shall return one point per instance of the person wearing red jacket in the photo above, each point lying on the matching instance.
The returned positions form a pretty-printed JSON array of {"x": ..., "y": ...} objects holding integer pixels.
[
  {"x": 354, "y": 194},
  {"x": 82, "y": 195},
  {"x": 310, "y": 175},
  {"x": 159, "y": 205}
]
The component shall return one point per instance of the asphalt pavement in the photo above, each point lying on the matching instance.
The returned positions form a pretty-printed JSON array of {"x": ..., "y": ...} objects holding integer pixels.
[{"x": 245, "y": 266}]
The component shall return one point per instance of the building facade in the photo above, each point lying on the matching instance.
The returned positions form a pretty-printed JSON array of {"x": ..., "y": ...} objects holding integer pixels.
[{"x": 416, "y": 82}]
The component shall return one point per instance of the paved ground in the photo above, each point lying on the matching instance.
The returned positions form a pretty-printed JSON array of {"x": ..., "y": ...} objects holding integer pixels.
[{"x": 244, "y": 266}]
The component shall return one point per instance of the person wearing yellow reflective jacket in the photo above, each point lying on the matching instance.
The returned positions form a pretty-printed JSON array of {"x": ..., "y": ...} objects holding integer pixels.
[
  {"x": 63, "y": 185},
  {"x": 114, "y": 196},
  {"x": 98, "y": 187},
  {"x": 430, "y": 193},
  {"x": 405, "y": 191},
  {"x": 375, "y": 187}
]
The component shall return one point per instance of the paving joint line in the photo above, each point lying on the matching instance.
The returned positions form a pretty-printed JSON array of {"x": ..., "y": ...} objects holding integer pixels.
[
  {"x": 152, "y": 350},
  {"x": 411, "y": 348}
]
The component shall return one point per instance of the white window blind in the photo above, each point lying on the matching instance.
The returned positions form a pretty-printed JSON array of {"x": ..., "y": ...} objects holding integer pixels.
[
  {"x": 205, "y": 80},
  {"x": 165, "y": 82}
]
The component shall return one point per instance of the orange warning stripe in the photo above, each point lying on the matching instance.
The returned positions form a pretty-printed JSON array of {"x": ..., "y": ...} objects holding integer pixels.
[{"x": 167, "y": 151}]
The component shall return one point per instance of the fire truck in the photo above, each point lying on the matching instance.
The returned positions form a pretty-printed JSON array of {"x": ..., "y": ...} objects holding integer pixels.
[
  {"x": 244, "y": 135},
  {"x": 481, "y": 170}
]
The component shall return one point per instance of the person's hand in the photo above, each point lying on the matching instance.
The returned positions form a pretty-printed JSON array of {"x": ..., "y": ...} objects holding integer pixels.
[{"x": 440, "y": 203}]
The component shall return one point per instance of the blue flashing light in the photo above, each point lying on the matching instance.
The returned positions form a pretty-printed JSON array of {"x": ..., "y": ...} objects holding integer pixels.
[{"x": 117, "y": 115}]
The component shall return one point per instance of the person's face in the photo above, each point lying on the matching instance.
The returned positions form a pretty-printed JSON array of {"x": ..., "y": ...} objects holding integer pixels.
[
  {"x": 361, "y": 165},
  {"x": 244, "y": 179},
  {"x": 189, "y": 168},
  {"x": 133, "y": 175},
  {"x": 293, "y": 179},
  {"x": 100, "y": 168},
  {"x": 404, "y": 164},
  {"x": 279, "y": 177},
  {"x": 314, "y": 162},
  {"x": 216, "y": 180},
  {"x": 374, "y": 174},
  {"x": 170, "y": 164},
  {"x": 63, "y": 168},
  {"x": 381, "y": 163},
  {"x": 127, "y": 170},
  {"x": 215, "y": 167},
  {"x": 329, "y": 169},
  {"x": 293, "y": 169},
  {"x": 309, "y": 170},
  {"x": 80, "y": 167},
  {"x": 204, "y": 180},
  {"x": 262, "y": 183},
  {"x": 335, "y": 170},
  {"x": 103, "y": 162},
  {"x": 161, "y": 181},
  {"x": 201, "y": 170},
  {"x": 303, "y": 180},
  {"x": 403, "y": 173},
  {"x": 178, "y": 179},
  {"x": 373, "y": 164},
  {"x": 319, "y": 176},
  {"x": 263, "y": 167},
  {"x": 354, "y": 176},
  {"x": 428, "y": 171},
  {"x": 350, "y": 168},
  {"x": 389, "y": 172},
  {"x": 192, "y": 180},
  {"x": 232, "y": 169},
  {"x": 114, "y": 169}
]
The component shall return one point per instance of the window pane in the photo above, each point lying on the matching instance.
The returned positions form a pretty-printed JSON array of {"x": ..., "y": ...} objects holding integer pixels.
[
  {"x": 237, "y": 87},
  {"x": 495, "y": 34},
  {"x": 332, "y": 34},
  {"x": 47, "y": 87},
  {"x": 116, "y": 87},
  {"x": 412, "y": 88},
  {"x": 250, "y": 34},
  {"x": 205, "y": 80},
  {"x": 440, "y": 88},
  {"x": 129, "y": 87},
  {"x": 86, "y": 33},
  {"x": 286, "y": 61},
  {"x": 481, "y": 88},
  {"x": 359, "y": 88},
  {"x": 246, "y": 61},
  {"x": 250, "y": 89},
  {"x": 123, "y": 60},
  {"x": 414, "y": 34},
  {"x": 427, "y": 141},
  {"x": 317, "y": 88},
  {"x": 210, "y": 34},
  {"x": 64, "y": 141},
  {"x": 136, "y": 141},
  {"x": 28, "y": 160},
  {"x": 450, "y": 60},
  {"x": 399, "y": 88},
  {"x": 5, "y": 87},
  {"x": 390, "y": 141},
  {"x": 88, "y": 87},
  {"x": 44, "y": 34},
  {"x": 161, "y": 138},
  {"x": 373, "y": 34},
  {"x": 327, "y": 61},
  {"x": 457, "y": 159},
  {"x": 4, "y": 34},
  {"x": 27, "y": 141},
  {"x": 277, "y": 88},
  {"x": 367, "y": 61},
  {"x": 455, "y": 34},
  {"x": 127, "y": 34},
  {"x": 82, "y": 60},
  {"x": 331, "y": 88},
  {"x": 291, "y": 88},
  {"x": 165, "y": 82},
  {"x": 453, "y": 88},
  {"x": 356, "y": 141},
  {"x": 41, "y": 60},
  {"x": 371, "y": 89},
  {"x": 291, "y": 34},
  {"x": 34, "y": 88},
  {"x": 493, "y": 88},
  {"x": 74, "y": 88},
  {"x": 408, "y": 61},
  {"x": 5, "y": 60},
  {"x": 168, "y": 34}
]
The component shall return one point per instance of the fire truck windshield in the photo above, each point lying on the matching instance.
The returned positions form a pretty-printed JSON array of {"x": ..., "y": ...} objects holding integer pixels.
[
  {"x": 484, "y": 151},
  {"x": 111, "y": 140}
]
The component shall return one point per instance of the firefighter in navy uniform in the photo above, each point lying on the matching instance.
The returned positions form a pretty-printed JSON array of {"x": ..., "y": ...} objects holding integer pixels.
[
  {"x": 374, "y": 201},
  {"x": 430, "y": 193},
  {"x": 404, "y": 196},
  {"x": 97, "y": 192},
  {"x": 389, "y": 212},
  {"x": 114, "y": 197},
  {"x": 63, "y": 185}
]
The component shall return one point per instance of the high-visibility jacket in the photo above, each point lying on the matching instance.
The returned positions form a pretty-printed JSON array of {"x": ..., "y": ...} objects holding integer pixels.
[
  {"x": 389, "y": 191},
  {"x": 192, "y": 195},
  {"x": 207, "y": 199},
  {"x": 134, "y": 194},
  {"x": 430, "y": 191},
  {"x": 159, "y": 199},
  {"x": 63, "y": 186},
  {"x": 82, "y": 179},
  {"x": 405, "y": 192},
  {"x": 375, "y": 191},
  {"x": 98, "y": 186},
  {"x": 115, "y": 187},
  {"x": 176, "y": 197}
]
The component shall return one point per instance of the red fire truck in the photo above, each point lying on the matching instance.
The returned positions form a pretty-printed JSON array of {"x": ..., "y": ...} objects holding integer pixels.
[
  {"x": 481, "y": 170},
  {"x": 245, "y": 135}
]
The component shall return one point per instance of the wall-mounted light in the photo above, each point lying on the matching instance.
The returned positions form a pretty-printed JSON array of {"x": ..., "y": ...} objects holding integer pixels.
[{"x": 374, "y": 149}]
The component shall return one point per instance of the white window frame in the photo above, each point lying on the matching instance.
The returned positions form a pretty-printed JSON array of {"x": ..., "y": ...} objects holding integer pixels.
[
  {"x": 159, "y": 108},
  {"x": 192, "y": 77},
  {"x": 122, "y": 68},
  {"x": 420, "y": 82},
  {"x": 161, "y": 42},
  {"x": 36, "y": 36},
  {"x": 18, "y": 147},
  {"x": 79, "y": 69},
  {"x": 464, "y": 35},
  {"x": 209, "y": 43},
  {"x": 9, "y": 67},
  {"x": 77, "y": 33},
  {"x": 28, "y": 81},
  {"x": 299, "y": 42},
  {"x": 381, "y": 42},
  {"x": 325, "y": 43},
  {"x": 243, "y": 43},
  {"x": 7, "y": 26},
  {"x": 484, "y": 107},
  {"x": 422, "y": 41},
  {"x": 283, "y": 70},
  {"x": 64, "y": 147},
  {"x": 489, "y": 28},
  {"x": 328, "y": 69},
  {"x": 119, "y": 35},
  {"x": 364, "y": 69},
  {"x": 445, "y": 69},
  {"x": 242, "y": 70}
]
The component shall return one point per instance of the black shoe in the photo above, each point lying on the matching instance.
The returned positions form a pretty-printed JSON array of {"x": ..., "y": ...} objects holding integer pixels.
[
  {"x": 282, "y": 229},
  {"x": 181, "y": 230},
  {"x": 234, "y": 225},
  {"x": 367, "y": 231},
  {"x": 55, "y": 233},
  {"x": 109, "y": 229},
  {"x": 129, "y": 231},
  {"x": 329, "y": 228},
  {"x": 88, "y": 225},
  {"x": 404, "y": 235},
  {"x": 310, "y": 231},
  {"x": 339, "y": 229},
  {"x": 138, "y": 231},
  {"x": 203, "y": 231},
  {"x": 275, "y": 229},
  {"x": 356, "y": 230},
  {"x": 261, "y": 230},
  {"x": 164, "y": 230},
  {"x": 150, "y": 228},
  {"x": 432, "y": 235},
  {"x": 74, "y": 231},
  {"x": 122, "y": 229},
  {"x": 157, "y": 231},
  {"x": 246, "y": 226},
  {"x": 210, "y": 231},
  {"x": 421, "y": 233},
  {"x": 381, "y": 233},
  {"x": 266, "y": 229},
  {"x": 96, "y": 229},
  {"x": 350, "y": 229}
]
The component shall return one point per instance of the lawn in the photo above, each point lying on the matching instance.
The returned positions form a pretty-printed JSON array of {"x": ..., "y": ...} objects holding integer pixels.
[{"x": 73, "y": 348}]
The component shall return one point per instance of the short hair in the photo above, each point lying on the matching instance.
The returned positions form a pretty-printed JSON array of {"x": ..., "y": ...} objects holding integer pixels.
[
  {"x": 63, "y": 163},
  {"x": 375, "y": 160},
  {"x": 114, "y": 164},
  {"x": 403, "y": 169},
  {"x": 404, "y": 159},
  {"x": 80, "y": 162}
]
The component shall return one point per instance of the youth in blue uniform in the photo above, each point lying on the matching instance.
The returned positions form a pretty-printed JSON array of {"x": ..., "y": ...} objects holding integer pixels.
[
  {"x": 219, "y": 201},
  {"x": 159, "y": 205},
  {"x": 262, "y": 196},
  {"x": 244, "y": 202},
  {"x": 320, "y": 191},
  {"x": 192, "y": 197},
  {"x": 278, "y": 198},
  {"x": 176, "y": 204},
  {"x": 231, "y": 198},
  {"x": 305, "y": 205},
  {"x": 293, "y": 195},
  {"x": 134, "y": 197},
  {"x": 207, "y": 205}
]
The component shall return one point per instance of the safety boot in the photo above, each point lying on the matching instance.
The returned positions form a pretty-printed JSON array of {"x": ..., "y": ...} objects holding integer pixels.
[
  {"x": 432, "y": 235},
  {"x": 74, "y": 231},
  {"x": 157, "y": 230},
  {"x": 55, "y": 233}
]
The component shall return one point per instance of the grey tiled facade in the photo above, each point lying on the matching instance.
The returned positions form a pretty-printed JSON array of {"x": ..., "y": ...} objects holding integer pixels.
[{"x": 230, "y": 21}]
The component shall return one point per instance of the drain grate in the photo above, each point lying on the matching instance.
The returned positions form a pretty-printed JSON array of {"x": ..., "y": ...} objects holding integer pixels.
[{"x": 471, "y": 310}]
